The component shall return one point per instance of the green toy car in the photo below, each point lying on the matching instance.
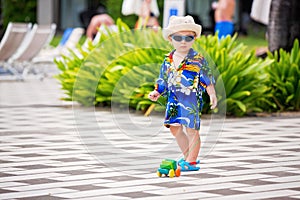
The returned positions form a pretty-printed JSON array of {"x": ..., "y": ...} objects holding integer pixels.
[{"x": 169, "y": 168}]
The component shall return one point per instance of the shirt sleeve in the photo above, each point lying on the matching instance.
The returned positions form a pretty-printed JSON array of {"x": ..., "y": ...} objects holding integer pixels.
[
  {"x": 161, "y": 82},
  {"x": 206, "y": 78}
]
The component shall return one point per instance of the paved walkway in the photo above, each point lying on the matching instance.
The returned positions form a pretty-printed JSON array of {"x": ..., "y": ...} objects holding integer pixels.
[{"x": 50, "y": 150}]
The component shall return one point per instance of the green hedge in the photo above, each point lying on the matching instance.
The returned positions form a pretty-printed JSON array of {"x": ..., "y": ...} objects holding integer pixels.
[
  {"x": 121, "y": 70},
  {"x": 284, "y": 79},
  {"x": 18, "y": 11}
]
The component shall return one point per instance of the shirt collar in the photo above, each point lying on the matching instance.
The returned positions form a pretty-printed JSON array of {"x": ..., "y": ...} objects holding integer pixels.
[{"x": 190, "y": 54}]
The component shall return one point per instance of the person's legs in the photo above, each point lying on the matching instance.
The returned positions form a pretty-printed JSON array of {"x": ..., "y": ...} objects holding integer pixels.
[
  {"x": 194, "y": 145},
  {"x": 224, "y": 28},
  {"x": 188, "y": 143},
  {"x": 190, "y": 146},
  {"x": 181, "y": 139}
]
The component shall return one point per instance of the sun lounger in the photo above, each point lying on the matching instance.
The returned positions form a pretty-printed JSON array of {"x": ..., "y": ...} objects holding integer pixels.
[
  {"x": 11, "y": 41},
  {"x": 39, "y": 36},
  {"x": 70, "y": 39}
]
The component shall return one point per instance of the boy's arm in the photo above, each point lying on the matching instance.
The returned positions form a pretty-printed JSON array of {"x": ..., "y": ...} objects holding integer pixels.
[
  {"x": 160, "y": 86},
  {"x": 212, "y": 95}
]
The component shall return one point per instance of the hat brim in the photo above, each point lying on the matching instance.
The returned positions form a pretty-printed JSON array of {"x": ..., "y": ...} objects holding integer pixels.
[{"x": 182, "y": 27}]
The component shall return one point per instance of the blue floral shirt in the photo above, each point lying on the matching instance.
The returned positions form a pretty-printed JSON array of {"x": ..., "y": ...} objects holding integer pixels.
[{"x": 183, "y": 87}]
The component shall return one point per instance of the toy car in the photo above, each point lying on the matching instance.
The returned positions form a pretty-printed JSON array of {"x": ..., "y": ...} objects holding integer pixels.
[{"x": 169, "y": 168}]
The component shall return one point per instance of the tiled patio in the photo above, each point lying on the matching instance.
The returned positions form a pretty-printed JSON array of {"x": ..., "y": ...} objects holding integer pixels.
[{"x": 51, "y": 150}]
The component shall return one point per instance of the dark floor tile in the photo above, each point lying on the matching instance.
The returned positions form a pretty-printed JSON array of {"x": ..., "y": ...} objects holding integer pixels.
[
  {"x": 294, "y": 150},
  {"x": 254, "y": 182},
  {"x": 45, "y": 197},
  {"x": 281, "y": 174},
  {"x": 172, "y": 185},
  {"x": 36, "y": 166},
  {"x": 2, "y": 191},
  {"x": 200, "y": 175},
  {"x": 2, "y": 174},
  {"x": 29, "y": 155},
  {"x": 38, "y": 181},
  {"x": 273, "y": 141},
  {"x": 137, "y": 195},
  {"x": 69, "y": 159},
  {"x": 294, "y": 166},
  {"x": 76, "y": 172},
  {"x": 257, "y": 161},
  {"x": 124, "y": 178},
  {"x": 254, "y": 146},
  {"x": 282, "y": 198},
  {"x": 233, "y": 168},
  {"x": 225, "y": 192},
  {"x": 85, "y": 187},
  {"x": 25, "y": 146},
  {"x": 62, "y": 149}
]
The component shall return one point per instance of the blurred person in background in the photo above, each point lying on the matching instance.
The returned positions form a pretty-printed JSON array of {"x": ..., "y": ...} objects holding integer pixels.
[
  {"x": 146, "y": 10},
  {"x": 96, "y": 22},
  {"x": 93, "y": 18},
  {"x": 224, "y": 13},
  {"x": 282, "y": 20}
]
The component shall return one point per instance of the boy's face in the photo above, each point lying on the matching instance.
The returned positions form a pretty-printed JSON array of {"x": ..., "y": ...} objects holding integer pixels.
[{"x": 182, "y": 41}]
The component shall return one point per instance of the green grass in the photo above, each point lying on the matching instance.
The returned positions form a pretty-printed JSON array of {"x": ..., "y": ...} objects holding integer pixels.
[
  {"x": 252, "y": 41},
  {"x": 256, "y": 37},
  {"x": 56, "y": 39}
]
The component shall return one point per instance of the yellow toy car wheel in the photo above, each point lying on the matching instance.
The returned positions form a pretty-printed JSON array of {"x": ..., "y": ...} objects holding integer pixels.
[
  {"x": 158, "y": 174},
  {"x": 171, "y": 173}
]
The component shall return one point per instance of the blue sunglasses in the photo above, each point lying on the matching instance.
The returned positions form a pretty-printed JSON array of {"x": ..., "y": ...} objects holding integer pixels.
[{"x": 179, "y": 38}]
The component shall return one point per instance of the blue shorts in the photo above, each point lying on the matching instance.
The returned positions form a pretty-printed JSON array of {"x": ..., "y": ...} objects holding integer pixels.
[{"x": 224, "y": 28}]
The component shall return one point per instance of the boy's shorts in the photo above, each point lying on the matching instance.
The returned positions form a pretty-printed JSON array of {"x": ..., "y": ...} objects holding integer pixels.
[{"x": 224, "y": 28}]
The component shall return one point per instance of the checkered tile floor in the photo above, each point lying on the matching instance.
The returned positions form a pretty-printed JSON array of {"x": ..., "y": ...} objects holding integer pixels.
[{"x": 51, "y": 150}]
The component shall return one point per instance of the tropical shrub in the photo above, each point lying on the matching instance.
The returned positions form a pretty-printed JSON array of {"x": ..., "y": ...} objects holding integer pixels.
[
  {"x": 240, "y": 73},
  {"x": 71, "y": 64},
  {"x": 112, "y": 71},
  {"x": 121, "y": 70},
  {"x": 284, "y": 78}
]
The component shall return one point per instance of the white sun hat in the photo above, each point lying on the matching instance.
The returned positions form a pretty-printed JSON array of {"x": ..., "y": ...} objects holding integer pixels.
[{"x": 177, "y": 24}]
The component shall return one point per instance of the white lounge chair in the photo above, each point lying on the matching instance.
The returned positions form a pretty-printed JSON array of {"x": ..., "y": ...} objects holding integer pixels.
[
  {"x": 11, "y": 41},
  {"x": 39, "y": 36},
  {"x": 70, "y": 39}
]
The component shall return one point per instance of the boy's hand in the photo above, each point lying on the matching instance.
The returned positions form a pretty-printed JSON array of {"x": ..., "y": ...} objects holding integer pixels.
[
  {"x": 213, "y": 101},
  {"x": 212, "y": 95},
  {"x": 154, "y": 95}
]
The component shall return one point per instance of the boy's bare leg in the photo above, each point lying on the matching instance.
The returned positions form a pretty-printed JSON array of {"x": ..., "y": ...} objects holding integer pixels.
[
  {"x": 181, "y": 138},
  {"x": 194, "y": 144}
]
